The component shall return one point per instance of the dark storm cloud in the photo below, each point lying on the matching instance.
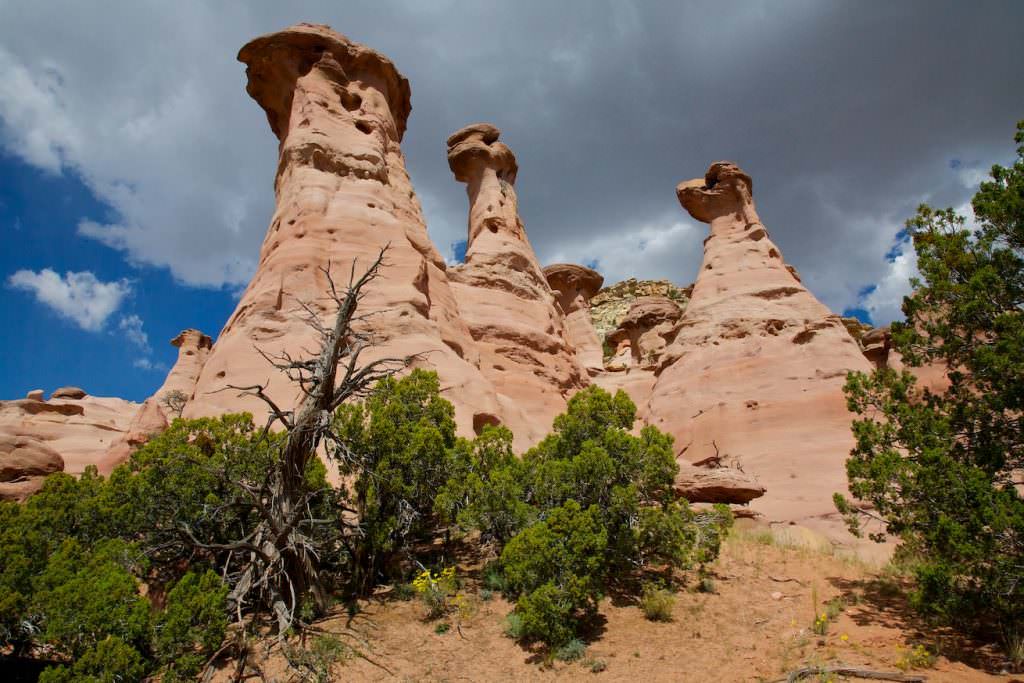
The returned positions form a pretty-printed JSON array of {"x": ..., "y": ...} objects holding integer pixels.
[{"x": 846, "y": 115}]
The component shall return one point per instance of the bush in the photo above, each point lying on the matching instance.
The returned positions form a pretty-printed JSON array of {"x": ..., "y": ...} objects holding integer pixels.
[
  {"x": 657, "y": 603},
  {"x": 192, "y": 624},
  {"x": 513, "y": 627},
  {"x": 396, "y": 446},
  {"x": 555, "y": 568},
  {"x": 108, "y": 660},
  {"x": 586, "y": 508},
  {"x": 941, "y": 469},
  {"x": 571, "y": 651}
]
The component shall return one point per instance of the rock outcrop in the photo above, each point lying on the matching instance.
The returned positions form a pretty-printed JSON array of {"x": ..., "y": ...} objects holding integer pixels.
[
  {"x": 609, "y": 306},
  {"x": 193, "y": 349},
  {"x": 756, "y": 369},
  {"x": 504, "y": 296},
  {"x": 574, "y": 286},
  {"x": 716, "y": 485},
  {"x": 339, "y": 110},
  {"x": 644, "y": 332},
  {"x": 73, "y": 393},
  {"x": 24, "y": 462},
  {"x": 39, "y": 437}
]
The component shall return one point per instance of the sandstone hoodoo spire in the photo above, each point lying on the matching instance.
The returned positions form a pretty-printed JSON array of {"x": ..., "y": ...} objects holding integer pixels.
[
  {"x": 756, "y": 369},
  {"x": 574, "y": 287},
  {"x": 503, "y": 295},
  {"x": 193, "y": 348},
  {"x": 339, "y": 110}
]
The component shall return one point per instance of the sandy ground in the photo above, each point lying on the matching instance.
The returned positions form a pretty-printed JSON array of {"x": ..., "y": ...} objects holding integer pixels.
[{"x": 756, "y": 626}]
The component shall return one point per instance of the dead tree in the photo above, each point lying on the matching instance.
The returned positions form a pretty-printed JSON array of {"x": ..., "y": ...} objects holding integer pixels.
[{"x": 282, "y": 558}]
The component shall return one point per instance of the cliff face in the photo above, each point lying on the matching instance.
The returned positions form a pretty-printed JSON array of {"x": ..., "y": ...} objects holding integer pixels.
[{"x": 756, "y": 369}]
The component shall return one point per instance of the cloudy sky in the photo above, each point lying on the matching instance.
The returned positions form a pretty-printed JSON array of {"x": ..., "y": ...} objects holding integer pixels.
[{"x": 136, "y": 175}]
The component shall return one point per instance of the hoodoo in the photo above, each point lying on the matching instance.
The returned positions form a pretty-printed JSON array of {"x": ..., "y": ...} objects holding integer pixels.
[
  {"x": 503, "y": 294},
  {"x": 575, "y": 286},
  {"x": 339, "y": 110},
  {"x": 755, "y": 373}
]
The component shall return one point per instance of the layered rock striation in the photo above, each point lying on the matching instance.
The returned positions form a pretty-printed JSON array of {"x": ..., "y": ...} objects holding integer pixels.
[
  {"x": 755, "y": 372},
  {"x": 504, "y": 296},
  {"x": 339, "y": 110}
]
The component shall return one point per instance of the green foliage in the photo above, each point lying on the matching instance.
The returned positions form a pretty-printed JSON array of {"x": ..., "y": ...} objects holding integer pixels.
[
  {"x": 108, "y": 661},
  {"x": 485, "y": 487},
  {"x": 396, "y": 448},
  {"x": 315, "y": 662},
  {"x": 76, "y": 553},
  {"x": 555, "y": 567},
  {"x": 85, "y": 596},
  {"x": 571, "y": 651},
  {"x": 192, "y": 624},
  {"x": 585, "y": 508},
  {"x": 942, "y": 469},
  {"x": 657, "y": 603}
]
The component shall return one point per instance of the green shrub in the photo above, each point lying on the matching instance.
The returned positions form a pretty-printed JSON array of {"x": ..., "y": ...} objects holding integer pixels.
[
  {"x": 108, "y": 661},
  {"x": 192, "y": 624},
  {"x": 571, "y": 651},
  {"x": 941, "y": 468},
  {"x": 657, "y": 603},
  {"x": 396, "y": 446},
  {"x": 513, "y": 627}
]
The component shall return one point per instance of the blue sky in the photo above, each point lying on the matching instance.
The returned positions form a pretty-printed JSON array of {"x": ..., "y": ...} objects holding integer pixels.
[
  {"x": 39, "y": 215},
  {"x": 136, "y": 176}
]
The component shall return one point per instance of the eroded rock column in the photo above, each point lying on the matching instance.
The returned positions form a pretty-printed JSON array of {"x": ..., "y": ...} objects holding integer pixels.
[
  {"x": 756, "y": 370},
  {"x": 339, "y": 110},
  {"x": 503, "y": 295},
  {"x": 574, "y": 286}
]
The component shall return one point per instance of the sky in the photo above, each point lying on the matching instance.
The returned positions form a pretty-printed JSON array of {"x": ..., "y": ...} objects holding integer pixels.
[{"x": 136, "y": 175}]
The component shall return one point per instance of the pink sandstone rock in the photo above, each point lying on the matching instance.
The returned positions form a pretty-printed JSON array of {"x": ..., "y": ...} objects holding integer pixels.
[
  {"x": 755, "y": 373},
  {"x": 648, "y": 327},
  {"x": 156, "y": 412},
  {"x": 73, "y": 393},
  {"x": 80, "y": 430},
  {"x": 504, "y": 296},
  {"x": 716, "y": 485},
  {"x": 339, "y": 110},
  {"x": 574, "y": 286},
  {"x": 24, "y": 463},
  {"x": 35, "y": 395},
  {"x": 193, "y": 349}
]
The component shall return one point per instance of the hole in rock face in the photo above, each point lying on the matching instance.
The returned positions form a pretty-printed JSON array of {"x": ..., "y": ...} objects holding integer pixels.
[
  {"x": 350, "y": 100},
  {"x": 364, "y": 127},
  {"x": 481, "y": 420},
  {"x": 772, "y": 253},
  {"x": 221, "y": 374}
]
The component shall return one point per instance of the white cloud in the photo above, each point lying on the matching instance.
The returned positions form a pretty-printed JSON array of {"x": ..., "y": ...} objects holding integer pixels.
[
  {"x": 79, "y": 297},
  {"x": 885, "y": 300},
  {"x": 155, "y": 121},
  {"x": 665, "y": 248},
  {"x": 131, "y": 326},
  {"x": 148, "y": 364}
]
